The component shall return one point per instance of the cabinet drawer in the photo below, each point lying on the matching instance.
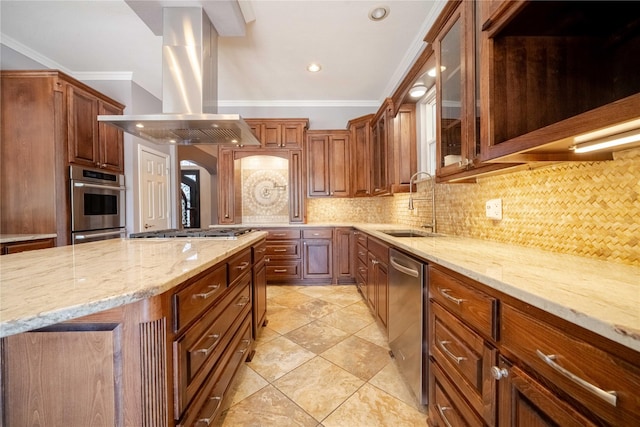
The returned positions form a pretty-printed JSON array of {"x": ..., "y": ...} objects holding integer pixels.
[
  {"x": 208, "y": 404},
  {"x": 317, "y": 233},
  {"x": 190, "y": 302},
  {"x": 471, "y": 305},
  {"x": 466, "y": 359},
  {"x": 361, "y": 270},
  {"x": 379, "y": 249},
  {"x": 284, "y": 270},
  {"x": 199, "y": 349},
  {"x": 361, "y": 238},
  {"x": 576, "y": 367},
  {"x": 447, "y": 407},
  {"x": 284, "y": 234},
  {"x": 362, "y": 253},
  {"x": 259, "y": 251},
  {"x": 284, "y": 249},
  {"x": 239, "y": 264}
]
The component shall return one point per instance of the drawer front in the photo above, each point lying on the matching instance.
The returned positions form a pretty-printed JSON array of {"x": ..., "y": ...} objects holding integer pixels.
[
  {"x": 361, "y": 238},
  {"x": 446, "y": 406},
  {"x": 362, "y": 253},
  {"x": 190, "y": 302},
  {"x": 361, "y": 270},
  {"x": 466, "y": 359},
  {"x": 583, "y": 371},
  {"x": 239, "y": 265},
  {"x": 317, "y": 233},
  {"x": 208, "y": 404},
  {"x": 284, "y": 249},
  {"x": 284, "y": 234},
  {"x": 379, "y": 249},
  {"x": 476, "y": 308},
  {"x": 259, "y": 251},
  {"x": 199, "y": 349},
  {"x": 284, "y": 270}
]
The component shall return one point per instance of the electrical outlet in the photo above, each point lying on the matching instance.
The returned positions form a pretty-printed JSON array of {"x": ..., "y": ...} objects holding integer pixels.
[{"x": 494, "y": 208}]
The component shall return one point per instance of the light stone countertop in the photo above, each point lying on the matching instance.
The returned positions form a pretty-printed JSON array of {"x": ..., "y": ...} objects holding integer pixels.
[
  {"x": 599, "y": 296},
  {"x": 11, "y": 238},
  {"x": 44, "y": 287}
]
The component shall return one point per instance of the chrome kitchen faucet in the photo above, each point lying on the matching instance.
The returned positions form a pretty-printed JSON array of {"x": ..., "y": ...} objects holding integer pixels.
[{"x": 432, "y": 226}]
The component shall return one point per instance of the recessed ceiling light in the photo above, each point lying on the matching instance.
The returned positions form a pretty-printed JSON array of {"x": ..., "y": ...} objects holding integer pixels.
[
  {"x": 314, "y": 68},
  {"x": 139, "y": 125},
  {"x": 417, "y": 91},
  {"x": 379, "y": 13}
]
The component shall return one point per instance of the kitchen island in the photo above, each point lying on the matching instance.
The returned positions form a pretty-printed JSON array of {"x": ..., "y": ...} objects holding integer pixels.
[{"x": 118, "y": 332}]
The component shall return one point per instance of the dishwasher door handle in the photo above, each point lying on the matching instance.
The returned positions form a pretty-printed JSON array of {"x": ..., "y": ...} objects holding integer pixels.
[{"x": 406, "y": 270}]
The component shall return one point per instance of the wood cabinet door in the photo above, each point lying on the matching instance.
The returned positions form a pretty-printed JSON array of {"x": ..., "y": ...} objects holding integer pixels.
[
  {"x": 317, "y": 262},
  {"x": 379, "y": 157},
  {"x": 111, "y": 141},
  {"x": 405, "y": 150},
  {"x": 259, "y": 298},
  {"x": 526, "y": 403},
  {"x": 271, "y": 135},
  {"x": 382, "y": 292},
  {"x": 339, "y": 170},
  {"x": 82, "y": 111},
  {"x": 292, "y": 135},
  {"x": 361, "y": 159},
  {"x": 318, "y": 165},
  {"x": 296, "y": 194},
  {"x": 344, "y": 255}
]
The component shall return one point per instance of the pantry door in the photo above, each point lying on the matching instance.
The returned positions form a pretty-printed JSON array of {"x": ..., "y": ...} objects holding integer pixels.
[{"x": 154, "y": 190}]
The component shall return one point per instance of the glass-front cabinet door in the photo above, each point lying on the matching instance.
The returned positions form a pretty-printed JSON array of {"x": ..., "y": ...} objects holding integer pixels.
[{"x": 450, "y": 88}]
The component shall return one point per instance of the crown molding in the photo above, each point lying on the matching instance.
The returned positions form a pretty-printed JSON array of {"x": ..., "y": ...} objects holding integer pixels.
[{"x": 300, "y": 103}]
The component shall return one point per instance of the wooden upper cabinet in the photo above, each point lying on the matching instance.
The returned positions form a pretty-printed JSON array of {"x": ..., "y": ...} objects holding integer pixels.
[
  {"x": 328, "y": 167},
  {"x": 380, "y": 136},
  {"x": 227, "y": 189},
  {"x": 458, "y": 54},
  {"x": 279, "y": 133},
  {"x": 547, "y": 80},
  {"x": 404, "y": 149},
  {"x": 360, "y": 129},
  {"x": 91, "y": 143}
]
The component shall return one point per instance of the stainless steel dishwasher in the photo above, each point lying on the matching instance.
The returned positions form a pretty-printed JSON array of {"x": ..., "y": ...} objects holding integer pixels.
[{"x": 407, "y": 334}]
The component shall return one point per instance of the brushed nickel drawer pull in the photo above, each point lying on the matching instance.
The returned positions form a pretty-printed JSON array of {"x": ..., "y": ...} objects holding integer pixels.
[
  {"x": 206, "y": 295},
  {"x": 444, "y": 293},
  {"x": 442, "y": 344},
  {"x": 608, "y": 396},
  {"x": 243, "y": 301},
  {"x": 207, "y": 350},
  {"x": 242, "y": 266},
  {"x": 279, "y": 250},
  {"x": 207, "y": 420},
  {"x": 280, "y": 270},
  {"x": 441, "y": 410}
]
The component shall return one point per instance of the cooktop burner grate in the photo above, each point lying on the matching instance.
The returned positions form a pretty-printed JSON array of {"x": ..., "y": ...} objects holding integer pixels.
[{"x": 213, "y": 233}]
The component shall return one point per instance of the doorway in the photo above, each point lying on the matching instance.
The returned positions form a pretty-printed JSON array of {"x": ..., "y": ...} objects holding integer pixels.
[
  {"x": 190, "y": 198},
  {"x": 153, "y": 178}
]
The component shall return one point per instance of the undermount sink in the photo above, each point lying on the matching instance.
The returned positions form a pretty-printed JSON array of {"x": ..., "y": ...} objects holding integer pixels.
[{"x": 409, "y": 233}]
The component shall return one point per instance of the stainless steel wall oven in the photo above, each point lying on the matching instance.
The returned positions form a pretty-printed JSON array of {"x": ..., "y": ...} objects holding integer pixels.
[{"x": 97, "y": 205}]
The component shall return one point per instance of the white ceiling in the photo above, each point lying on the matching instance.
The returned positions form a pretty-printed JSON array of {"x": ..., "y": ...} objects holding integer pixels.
[{"x": 362, "y": 61}]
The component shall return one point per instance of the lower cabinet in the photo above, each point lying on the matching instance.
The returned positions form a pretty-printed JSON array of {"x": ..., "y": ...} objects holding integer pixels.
[
  {"x": 344, "y": 264},
  {"x": 317, "y": 255},
  {"x": 378, "y": 280},
  {"x": 497, "y": 361},
  {"x": 259, "y": 288}
]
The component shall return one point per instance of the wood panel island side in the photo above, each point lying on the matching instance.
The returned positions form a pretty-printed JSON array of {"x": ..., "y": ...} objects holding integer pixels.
[{"x": 127, "y": 332}]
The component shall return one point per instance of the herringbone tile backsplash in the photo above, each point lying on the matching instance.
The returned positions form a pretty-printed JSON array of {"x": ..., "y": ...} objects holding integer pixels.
[{"x": 589, "y": 209}]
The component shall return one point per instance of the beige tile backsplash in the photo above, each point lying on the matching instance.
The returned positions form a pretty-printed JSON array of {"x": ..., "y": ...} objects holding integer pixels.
[{"x": 590, "y": 209}]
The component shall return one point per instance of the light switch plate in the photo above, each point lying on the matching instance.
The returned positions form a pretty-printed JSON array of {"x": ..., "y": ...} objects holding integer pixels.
[{"x": 494, "y": 208}]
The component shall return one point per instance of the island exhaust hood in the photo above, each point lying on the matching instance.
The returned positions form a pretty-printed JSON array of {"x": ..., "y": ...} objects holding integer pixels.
[{"x": 189, "y": 88}]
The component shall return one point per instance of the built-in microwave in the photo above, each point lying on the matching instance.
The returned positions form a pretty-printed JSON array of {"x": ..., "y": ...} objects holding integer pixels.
[{"x": 97, "y": 204}]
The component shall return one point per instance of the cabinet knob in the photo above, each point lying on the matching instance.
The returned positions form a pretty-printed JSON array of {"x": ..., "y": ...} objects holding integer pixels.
[{"x": 498, "y": 373}]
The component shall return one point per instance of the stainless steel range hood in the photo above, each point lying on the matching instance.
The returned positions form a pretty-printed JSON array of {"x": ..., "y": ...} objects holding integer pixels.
[{"x": 189, "y": 88}]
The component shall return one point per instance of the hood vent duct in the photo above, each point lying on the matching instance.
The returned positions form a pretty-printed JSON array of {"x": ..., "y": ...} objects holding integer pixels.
[{"x": 189, "y": 88}]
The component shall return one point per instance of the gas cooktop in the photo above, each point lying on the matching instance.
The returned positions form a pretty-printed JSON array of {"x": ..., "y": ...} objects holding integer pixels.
[{"x": 212, "y": 233}]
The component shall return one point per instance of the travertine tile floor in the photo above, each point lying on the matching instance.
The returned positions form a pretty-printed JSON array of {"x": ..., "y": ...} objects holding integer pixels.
[{"x": 321, "y": 361}]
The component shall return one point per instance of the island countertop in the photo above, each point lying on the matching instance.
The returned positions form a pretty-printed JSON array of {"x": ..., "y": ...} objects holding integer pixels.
[
  {"x": 599, "y": 296},
  {"x": 44, "y": 287}
]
